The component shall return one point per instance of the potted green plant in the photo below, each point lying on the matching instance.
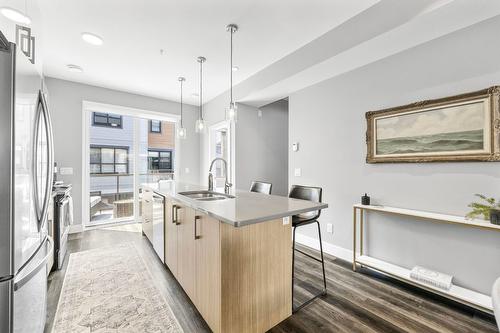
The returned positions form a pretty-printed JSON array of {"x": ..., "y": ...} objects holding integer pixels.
[{"x": 489, "y": 208}]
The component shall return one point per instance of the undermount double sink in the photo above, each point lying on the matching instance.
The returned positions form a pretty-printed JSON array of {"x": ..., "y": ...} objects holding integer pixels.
[{"x": 206, "y": 195}]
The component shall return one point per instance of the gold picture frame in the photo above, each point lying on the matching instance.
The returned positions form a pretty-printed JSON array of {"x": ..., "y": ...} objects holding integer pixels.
[{"x": 459, "y": 128}]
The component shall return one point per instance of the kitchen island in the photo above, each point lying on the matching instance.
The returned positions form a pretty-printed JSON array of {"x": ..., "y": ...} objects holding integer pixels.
[{"x": 232, "y": 254}]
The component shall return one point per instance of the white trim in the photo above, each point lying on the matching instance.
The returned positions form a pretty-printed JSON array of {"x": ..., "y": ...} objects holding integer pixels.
[
  {"x": 136, "y": 145},
  {"x": 76, "y": 228},
  {"x": 333, "y": 250},
  {"x": 85, "y": 166},
  {"x": 128, "y": 111},
  {"x": 230, "y": 127},
  {"x": 89, "y": 106}
]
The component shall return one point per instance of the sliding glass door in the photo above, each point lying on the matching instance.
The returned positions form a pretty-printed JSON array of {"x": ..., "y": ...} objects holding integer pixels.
[{"x": 123, "y": 152}]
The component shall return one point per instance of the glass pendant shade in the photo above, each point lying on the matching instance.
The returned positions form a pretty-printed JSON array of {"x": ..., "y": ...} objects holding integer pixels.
[
  {"x": 200, "y": 126},
  {"x": 181, "y": 132},
  {"x": 232, "y": 112}
]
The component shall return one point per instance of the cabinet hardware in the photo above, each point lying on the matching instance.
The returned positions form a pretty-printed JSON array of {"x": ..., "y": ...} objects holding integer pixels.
[
  {"x": 196, "y": 218},
  {"x": 175, "y": 214}
]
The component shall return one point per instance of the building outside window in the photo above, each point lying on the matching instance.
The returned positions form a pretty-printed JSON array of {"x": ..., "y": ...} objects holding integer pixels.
[
  {"x": 108, "y": 159},
  {"x": 160, "y": 160},
  {"x": 155, "y": 126},
  {"x": 106, "y": 120}
]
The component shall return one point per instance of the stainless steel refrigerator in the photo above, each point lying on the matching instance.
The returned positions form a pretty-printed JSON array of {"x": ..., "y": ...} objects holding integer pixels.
[{"x": 26, "y": 163}]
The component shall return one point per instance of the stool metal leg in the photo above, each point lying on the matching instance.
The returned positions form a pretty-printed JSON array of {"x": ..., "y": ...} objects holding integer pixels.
[
  {"x": 322, "y": 261},
  {"x": 293, "y": 265}
]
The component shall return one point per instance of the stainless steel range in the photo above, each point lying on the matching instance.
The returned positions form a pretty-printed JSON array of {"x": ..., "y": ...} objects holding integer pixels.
[{"x": 63, "y": 218}]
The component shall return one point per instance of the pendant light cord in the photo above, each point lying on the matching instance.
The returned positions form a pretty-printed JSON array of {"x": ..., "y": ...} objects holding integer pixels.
[
  {"x": 231, "y": 68},
  {"x": 181, "y": 103},
  {"x": 201, "y": 90}
]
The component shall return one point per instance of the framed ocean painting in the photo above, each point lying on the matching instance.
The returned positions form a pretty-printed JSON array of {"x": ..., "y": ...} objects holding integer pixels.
[{"x": 458, "y": 128}]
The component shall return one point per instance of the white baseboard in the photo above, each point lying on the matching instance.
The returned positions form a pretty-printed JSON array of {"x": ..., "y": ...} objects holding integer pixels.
[
  {"x": 333, "y": 250},
  {"x": 75, "y": 228}
]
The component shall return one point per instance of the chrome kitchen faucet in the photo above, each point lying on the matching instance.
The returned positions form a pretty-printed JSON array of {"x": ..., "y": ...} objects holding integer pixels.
[{"x": 227, "y": 185}]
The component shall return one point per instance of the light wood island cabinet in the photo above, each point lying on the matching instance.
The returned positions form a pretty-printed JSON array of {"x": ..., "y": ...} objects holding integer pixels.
[{"x": 239, "y": 278}]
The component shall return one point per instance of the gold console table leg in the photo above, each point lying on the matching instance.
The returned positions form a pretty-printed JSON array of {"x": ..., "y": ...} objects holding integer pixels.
[{"x": 354, "y": 240}]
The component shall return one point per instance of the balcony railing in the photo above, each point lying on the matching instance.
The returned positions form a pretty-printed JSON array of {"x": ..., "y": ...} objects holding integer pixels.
[{"x": 112, "y": 195}]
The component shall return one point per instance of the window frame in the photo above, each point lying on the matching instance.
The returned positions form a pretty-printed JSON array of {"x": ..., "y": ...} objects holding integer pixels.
[
  {"x": 115, "y": 148},
  {"x": 159, "y": 151},
  {"x": 151, "y": 126},
  {"x": 108, "y": 124}
]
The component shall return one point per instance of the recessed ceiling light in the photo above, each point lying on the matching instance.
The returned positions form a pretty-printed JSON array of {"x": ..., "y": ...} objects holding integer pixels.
[
  {"x": 15, "y": 15},
  {"x": 235, "y": 68},
  {"x": 92, "y": 39},
  {"x": 74, "y": 68}
]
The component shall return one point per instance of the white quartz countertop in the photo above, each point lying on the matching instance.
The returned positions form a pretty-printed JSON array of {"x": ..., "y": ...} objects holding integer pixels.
[{"x": 245, "y": 209}]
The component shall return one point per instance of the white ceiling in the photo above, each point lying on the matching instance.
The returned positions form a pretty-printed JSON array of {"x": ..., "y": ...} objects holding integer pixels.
[
  {"x": 134, "y": 31},
  {"x": 375, "y": 34}
]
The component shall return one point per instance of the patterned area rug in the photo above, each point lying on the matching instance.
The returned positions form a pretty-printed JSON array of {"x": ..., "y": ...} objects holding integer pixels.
[{"x": 110, "y": 290}]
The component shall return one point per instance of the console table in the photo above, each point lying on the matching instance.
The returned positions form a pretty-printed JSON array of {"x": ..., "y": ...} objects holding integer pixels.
[{"x": 465, "y": 296}]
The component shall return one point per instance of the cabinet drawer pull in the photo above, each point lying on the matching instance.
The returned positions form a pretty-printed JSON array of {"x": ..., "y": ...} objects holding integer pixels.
[
  {"x": 175, "y": 214},
  {"x": 196, "y": 218}
]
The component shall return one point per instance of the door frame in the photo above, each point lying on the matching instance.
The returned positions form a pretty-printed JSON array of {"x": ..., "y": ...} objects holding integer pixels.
[
  {"x": 231, "y": 149},
  {"x": 90, "y": 106}
]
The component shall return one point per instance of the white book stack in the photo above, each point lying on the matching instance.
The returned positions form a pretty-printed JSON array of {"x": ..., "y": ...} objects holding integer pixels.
[{"x": 430, "y": 277}]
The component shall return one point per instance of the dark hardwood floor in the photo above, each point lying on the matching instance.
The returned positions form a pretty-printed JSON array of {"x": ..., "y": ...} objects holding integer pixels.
[{"x": 356, "y": 302}]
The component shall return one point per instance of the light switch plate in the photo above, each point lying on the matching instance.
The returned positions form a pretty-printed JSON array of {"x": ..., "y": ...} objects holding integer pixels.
[
  {"x": 329, "y": 228},
  {"x": 66, "y": 171},
  {"x": 186, "y": 170},
  {"x": 295, "y": 146},
  {"x": 286, "y": 220},
  {"x": 298, "y": 172}
]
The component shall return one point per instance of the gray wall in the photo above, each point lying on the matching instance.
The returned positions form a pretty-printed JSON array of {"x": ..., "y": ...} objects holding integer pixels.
[
  {"x": 261, "y": 143},
  {"x": 262, "y": 147},
  {"x": 65, "y": 99},
  {"x": 328, "y": 121}
]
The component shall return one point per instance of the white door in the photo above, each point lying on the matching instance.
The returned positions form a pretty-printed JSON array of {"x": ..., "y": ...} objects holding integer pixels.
[{"x": 221, "y": 147}]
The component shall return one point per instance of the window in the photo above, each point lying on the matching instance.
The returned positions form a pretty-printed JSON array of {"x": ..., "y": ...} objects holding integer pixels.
[
  {"x": 155, "y": 126},
  {"x": 160, "y": 160},
  {"x": 106, "y": 159},
  {"x": 106, "y": 119}
]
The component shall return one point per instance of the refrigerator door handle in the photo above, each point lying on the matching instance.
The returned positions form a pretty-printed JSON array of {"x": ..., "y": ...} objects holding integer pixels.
[
  {"x": 42, "y": 111},
  {"x": 50, "y": 159},
  {"x": 34, "y": 161},
  {"x": 26, "y": 277}
]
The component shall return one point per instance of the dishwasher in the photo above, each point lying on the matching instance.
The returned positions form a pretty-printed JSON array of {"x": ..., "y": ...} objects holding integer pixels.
[{"x": 158, "y": 225}]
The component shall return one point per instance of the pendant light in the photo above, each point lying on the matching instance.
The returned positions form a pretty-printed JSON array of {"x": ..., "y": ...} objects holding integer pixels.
[
  {"x": 181, "y": 131},
  {"x": 200, "y": 123},
  {"x": 232, "y": 110}
]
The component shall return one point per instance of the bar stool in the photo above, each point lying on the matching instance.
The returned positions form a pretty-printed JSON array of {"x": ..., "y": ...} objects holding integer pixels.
[
  {"x": 261, "y": 187},
  {"x": 311, "y": 194}
]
